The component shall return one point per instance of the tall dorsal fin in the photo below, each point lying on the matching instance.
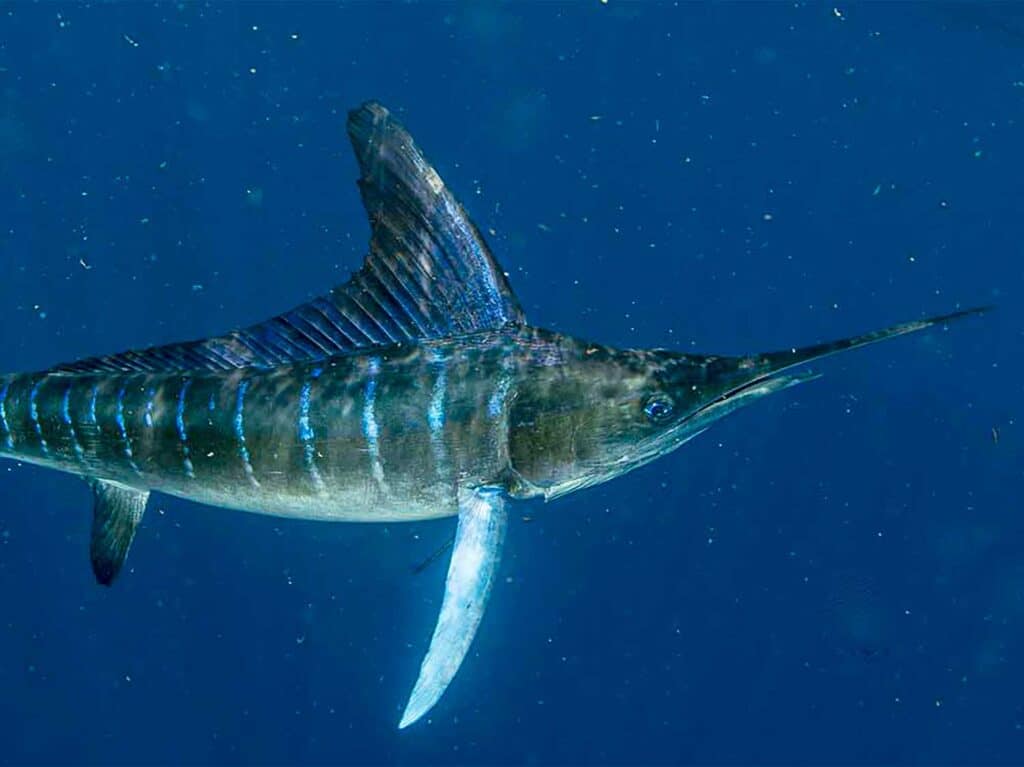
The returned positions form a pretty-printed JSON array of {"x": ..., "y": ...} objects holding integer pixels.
[{"x": 428, "y": 274}]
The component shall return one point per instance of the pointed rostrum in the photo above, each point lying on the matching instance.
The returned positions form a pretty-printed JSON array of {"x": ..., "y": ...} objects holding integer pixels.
[
  {"x": 428, "y": 274},
  {"x": 475, "y": 557}
]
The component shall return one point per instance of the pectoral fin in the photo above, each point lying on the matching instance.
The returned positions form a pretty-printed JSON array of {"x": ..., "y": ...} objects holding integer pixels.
[
  {"x": 117, "y": 512},
  {"x": 477, "y": 549}
]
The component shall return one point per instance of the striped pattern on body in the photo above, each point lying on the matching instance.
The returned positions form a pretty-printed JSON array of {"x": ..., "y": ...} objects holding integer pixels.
[{"x": 381, "y": 432}]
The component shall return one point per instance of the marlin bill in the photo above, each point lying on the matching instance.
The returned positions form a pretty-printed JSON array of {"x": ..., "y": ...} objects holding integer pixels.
[{"x": 416, "y": 390}]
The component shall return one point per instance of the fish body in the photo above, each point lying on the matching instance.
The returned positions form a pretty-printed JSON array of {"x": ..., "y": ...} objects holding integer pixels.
[
  {"x": 378, "y": 437},
  {"x": 416, "y": 390}
]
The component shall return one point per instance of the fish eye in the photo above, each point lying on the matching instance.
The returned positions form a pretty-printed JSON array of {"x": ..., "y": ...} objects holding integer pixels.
[{"x": 659, "y": 408}]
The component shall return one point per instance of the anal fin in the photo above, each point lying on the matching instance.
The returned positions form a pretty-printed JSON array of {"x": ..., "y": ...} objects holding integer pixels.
[
  {"x": 117, "y": 511},
  {"x": 477, "y": 550}
]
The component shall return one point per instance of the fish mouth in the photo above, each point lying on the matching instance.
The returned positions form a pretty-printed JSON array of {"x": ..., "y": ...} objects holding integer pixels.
[{"x": 745, "y": 394}]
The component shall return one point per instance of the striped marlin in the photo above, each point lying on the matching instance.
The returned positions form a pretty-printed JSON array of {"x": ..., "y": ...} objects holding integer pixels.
[{"x": 414, "y": 391}]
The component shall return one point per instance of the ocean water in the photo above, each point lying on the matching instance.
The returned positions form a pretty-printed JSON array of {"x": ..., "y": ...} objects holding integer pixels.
[{"x": 835, "y": 575}]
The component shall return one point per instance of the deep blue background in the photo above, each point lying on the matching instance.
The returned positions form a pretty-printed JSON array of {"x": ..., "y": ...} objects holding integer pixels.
[{"x": 834, "y": 575}]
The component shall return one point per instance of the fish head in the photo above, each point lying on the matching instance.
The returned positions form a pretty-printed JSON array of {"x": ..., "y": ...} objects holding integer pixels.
[{"x": 606, "y": 412}]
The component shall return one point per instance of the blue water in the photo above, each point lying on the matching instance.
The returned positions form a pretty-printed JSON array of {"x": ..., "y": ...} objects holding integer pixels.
[{"x": 833, "y": 575}]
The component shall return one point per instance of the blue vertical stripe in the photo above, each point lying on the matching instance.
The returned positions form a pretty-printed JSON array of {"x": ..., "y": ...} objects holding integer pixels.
[
  {"x": 148, "y": 417},
  {"x": 8, "y": 436},
  {"x": 90, "y": 416},
  {"x": 65, "y": 414},
  {"x": 496, "y": 404},
  {"x": 243, "y": 451},
  {"x": 123, "y": 428},
  {"x": 371, "y": 430},
  {"x": 306, "y": 435},
  {"x": 436, "y": 412},
  {"x": 499, "y": 397},
  {"x": 179, "y": 422},
  {"x": 65, "y": 405},
  {"x": 33, "y": 411}
]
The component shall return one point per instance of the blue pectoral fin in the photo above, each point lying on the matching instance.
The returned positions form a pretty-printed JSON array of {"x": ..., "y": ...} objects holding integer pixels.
[{"x": 477, "y": 550}]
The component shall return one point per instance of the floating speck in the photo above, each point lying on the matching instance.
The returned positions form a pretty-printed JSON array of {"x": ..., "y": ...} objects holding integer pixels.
[{"x": 254, "y": 196}]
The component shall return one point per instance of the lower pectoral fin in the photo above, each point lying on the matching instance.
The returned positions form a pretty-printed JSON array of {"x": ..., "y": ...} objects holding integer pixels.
[
  {"x": 117, "y": 512},
  {"x": 475, "y": 556}
]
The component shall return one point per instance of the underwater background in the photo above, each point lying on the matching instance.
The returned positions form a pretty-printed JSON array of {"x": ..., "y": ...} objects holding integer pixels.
[{"x": 833, "y": 575}]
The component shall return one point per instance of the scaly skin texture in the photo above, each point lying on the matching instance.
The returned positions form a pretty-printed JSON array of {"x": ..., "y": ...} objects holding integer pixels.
[
  {"x": 375, "y": 437},
  {"x": 390, "y": 435},
  {"x": 393, "y": 434}
]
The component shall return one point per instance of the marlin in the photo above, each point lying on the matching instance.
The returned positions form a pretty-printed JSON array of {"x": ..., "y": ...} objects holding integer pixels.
[{"x": 416, "y": 390}]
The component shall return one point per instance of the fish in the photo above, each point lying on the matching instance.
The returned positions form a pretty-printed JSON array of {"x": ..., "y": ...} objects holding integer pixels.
[{"x": 415, "y": 390}]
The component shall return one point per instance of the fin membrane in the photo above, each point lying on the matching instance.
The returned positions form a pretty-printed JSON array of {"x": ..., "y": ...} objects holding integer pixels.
[
  {"x": 428, "y": 274},
  {"x": 478, "y": 541},
  {"x": 117, "y": 512}
]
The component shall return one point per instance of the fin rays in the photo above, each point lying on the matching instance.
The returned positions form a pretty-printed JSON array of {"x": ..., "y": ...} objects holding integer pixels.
[
  {"x": 428, "y": 273},
  {"x": 117, "y": 512}
]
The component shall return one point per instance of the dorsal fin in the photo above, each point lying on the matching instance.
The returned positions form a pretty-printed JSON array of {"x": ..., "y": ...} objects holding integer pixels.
[{"x": 428, "y": 274}]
